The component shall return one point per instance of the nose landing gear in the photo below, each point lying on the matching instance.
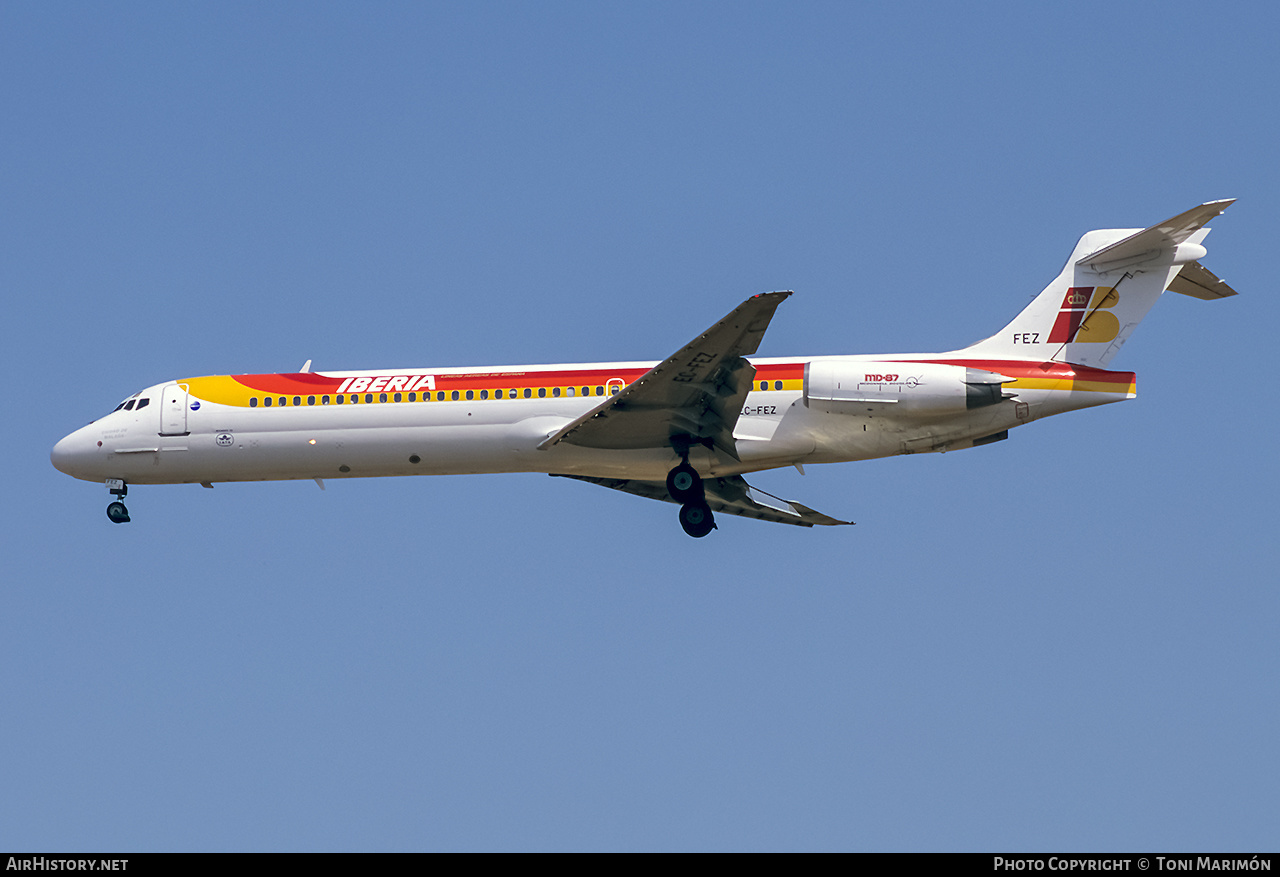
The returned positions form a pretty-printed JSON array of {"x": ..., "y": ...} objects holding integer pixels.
[
  {"x": 685, "y": 487},
  {"x": 117, "y": 511}
]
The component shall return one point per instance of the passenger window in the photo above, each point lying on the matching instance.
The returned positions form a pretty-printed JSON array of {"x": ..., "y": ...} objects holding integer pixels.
[
  {"x": 556, "y": 392},
  {"x": 413, "y": 397},
  {"x": 542, "y": 392},
  {"x": 599, "y": 391},
  {"x": 266, "y": 402},
  {"x": 368, "y": 398},
  {"x": 527, "y": 392},
  {"x": 569, "y": 391},
  {"x": 777, "y": 385},
  {"x": 311, "y": 400},
  {"x": 324, "y": 400},
  {"x": 470, "y": 395},
  {"x": 484, "y": 394},
  {"x": 453, "y": 397},
  {"x": 613, "y": 391},
  {"x": 764, "y": 385},
  {"x": 339, "y": 398},
  {"x": 253, "y": 402},
  {"x": 282, "y": 401},
  {"x": 297, "y": 400},
  {"x": 382, "y": 397}
]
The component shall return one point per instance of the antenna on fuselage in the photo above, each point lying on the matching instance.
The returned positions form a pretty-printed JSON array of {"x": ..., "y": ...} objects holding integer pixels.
[{"x": 306, "y": 367}]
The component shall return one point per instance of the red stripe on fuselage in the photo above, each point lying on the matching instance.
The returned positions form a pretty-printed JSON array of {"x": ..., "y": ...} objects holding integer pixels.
[
  {"x": 309, "y": 383},
  {"x": 1015, "y": 368}
]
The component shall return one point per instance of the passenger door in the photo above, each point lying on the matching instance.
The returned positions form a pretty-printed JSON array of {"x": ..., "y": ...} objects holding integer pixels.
[{"x": 173, "y": 410}]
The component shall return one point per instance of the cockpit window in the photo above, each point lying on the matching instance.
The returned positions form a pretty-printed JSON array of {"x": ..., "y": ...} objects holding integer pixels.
[{"x": 130, "y": 403}]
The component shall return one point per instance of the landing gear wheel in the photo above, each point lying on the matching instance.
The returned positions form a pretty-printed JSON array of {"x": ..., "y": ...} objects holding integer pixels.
[
  {"x": 684, "y": 485},
  {"x": 697, "y": 520},
  {"x": 118, "y": 513}
]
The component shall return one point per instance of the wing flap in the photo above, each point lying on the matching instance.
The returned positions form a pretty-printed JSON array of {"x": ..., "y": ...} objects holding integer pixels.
[{"x": 730, "y": 496}]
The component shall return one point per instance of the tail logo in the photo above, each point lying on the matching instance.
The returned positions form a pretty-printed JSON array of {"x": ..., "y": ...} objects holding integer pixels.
[{"x": 1086, "y": 316}]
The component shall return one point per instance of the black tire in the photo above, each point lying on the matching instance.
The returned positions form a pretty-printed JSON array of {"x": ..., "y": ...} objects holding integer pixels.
[
  {"x": 684, "y": 484},
  {"x": 697, "y": 520},
  {"x": 118, "y": 513}
]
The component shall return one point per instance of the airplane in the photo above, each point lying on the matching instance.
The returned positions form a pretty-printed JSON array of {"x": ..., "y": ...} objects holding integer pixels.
[{"x": 684, "y": 430}]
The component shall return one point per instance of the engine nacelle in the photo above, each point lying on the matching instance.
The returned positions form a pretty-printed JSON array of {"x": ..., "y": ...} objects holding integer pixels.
[{"x": 899, "y": 389}]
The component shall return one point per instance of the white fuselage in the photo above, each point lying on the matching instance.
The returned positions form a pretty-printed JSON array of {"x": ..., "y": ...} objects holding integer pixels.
[{"x": 272, "y": 427}]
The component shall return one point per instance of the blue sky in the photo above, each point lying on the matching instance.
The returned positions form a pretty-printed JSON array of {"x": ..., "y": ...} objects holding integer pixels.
[{"x": 1065, "y": 641}]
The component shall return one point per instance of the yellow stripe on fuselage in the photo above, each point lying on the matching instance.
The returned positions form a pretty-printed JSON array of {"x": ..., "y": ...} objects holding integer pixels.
[
  {"x": 1072, "y": 385},
  {"x": 221, "y": 390}
]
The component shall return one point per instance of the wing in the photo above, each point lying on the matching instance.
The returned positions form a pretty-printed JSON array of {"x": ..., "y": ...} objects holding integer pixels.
[
  {"x": 730, "y": 496},
  {"x": 692, "y": 397}
]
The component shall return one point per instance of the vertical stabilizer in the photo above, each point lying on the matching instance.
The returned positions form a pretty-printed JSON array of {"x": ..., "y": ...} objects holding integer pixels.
[{"x": 1112, "y": 279}]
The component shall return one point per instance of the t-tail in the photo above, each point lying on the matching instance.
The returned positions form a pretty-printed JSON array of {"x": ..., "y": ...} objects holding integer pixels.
[{"x": 1112, "y": 279}]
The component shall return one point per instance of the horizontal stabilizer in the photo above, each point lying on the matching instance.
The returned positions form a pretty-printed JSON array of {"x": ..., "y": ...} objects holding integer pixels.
[
  {"x": 730, "y": 496},
  {"x": 1198, "y": 281},
  {"x": 1156, "y": 241}
]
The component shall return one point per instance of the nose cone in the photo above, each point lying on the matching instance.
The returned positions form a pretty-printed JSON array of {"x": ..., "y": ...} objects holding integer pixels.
[
  {"x": 74, "y": 453},
  {"x": 61, "y": 456}
]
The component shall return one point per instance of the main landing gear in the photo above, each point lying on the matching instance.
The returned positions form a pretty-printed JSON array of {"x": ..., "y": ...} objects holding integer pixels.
[
  {"x": 117, "y": 511},
  {"x": 685, "y": 487}
]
